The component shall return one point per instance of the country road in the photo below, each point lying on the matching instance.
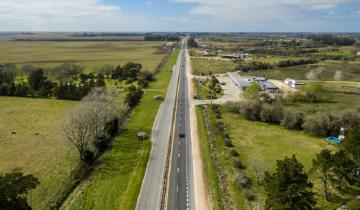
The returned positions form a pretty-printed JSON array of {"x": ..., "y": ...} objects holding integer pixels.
[
  {"x": 181, "y": 185},
  {"x": 151, "y": 189}
]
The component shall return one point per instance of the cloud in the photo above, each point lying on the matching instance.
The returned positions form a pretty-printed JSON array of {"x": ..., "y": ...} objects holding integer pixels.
[
  {"x": 271, "y": 15},
  {"x": 65, "y": 15}
]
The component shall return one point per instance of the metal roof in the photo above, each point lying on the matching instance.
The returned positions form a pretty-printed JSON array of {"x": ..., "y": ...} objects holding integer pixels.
[
  {"x": 238, "y": 80},
  {"x": 268, "y": 85}
]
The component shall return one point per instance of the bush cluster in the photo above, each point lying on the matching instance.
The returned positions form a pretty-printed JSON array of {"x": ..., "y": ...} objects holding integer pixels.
[
  {"x": 319, "y": 124},
  {"x": 287, "y": 63}
]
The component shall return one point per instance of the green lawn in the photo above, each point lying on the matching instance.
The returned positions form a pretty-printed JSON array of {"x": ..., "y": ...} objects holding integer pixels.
[
  {"x": 93, "y": 55},
  {"x": 117, "y": 181},
  {"x": 203, "y": 66},
  {"x": 38, "y": 146},
  {"x": 259, "y": 145}
]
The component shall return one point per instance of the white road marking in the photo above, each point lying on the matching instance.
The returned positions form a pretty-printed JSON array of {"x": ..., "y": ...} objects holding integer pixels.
[{"x": 178, "y": 170}]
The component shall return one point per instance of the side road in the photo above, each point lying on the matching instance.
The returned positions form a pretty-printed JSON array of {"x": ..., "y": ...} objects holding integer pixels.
[
  {"x": 150, "y": 194},
  {"x": 202, "y": 197}
]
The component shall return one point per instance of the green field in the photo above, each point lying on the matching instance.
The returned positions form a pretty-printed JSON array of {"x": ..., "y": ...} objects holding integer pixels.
[
  {"x": 93, "y": 55},
  {"x": 38, "y": 146},
  {"x": 117, "y": 181},
  {"x": 342, "y": 95},
  {"x": 203, "y": 66},
  {"x": 259, "y": 145},
  {"x": 350, "y": 71}
]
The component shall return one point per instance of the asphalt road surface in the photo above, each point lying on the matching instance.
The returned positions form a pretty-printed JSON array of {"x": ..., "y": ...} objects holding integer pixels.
[
  {"x": 151, "y": 189},
  {"x": 181, "y": 190}
]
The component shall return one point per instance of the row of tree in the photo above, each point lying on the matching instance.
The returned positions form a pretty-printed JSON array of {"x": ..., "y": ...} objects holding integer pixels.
[
  {"x": 327, "y": 39},
  {"x": 259, "y": 65},
  {"x": 38, "y": 85},
  {"x": 166, "y": 37}
]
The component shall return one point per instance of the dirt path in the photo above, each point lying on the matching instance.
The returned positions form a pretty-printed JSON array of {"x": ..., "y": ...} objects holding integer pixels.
[{"x": 202, "y": 196}]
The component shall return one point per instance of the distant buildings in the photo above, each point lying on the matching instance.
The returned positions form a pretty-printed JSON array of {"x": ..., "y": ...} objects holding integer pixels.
[
  {"x": 235, "y": 56},
  {"x": 293, "y": 83},
  {"x": 245, "y": 82}
]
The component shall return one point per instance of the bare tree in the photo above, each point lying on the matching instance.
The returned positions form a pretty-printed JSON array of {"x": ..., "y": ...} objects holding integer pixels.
[
  {"x": 88, "y": 120},
  {"x": 77, "y": 129}
]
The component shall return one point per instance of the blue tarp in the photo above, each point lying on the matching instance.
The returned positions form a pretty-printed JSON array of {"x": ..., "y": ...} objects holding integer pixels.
[{"x": 334, "y": 139}]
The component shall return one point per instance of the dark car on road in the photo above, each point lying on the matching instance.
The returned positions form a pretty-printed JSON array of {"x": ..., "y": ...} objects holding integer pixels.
[{"x": 181, "y": 134}]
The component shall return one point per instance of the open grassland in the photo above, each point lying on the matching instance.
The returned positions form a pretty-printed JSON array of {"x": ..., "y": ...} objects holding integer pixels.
[
  {"x": 117, "y": 181},
  {"x": 259, "y": 145},
  {"x": 93, "y": 55},
  {"x": 38, "y": 146},
  {"x": 340, "y": 96},
  {"x": 204, "y": 66},
  {"x": 350, "y": 71}
]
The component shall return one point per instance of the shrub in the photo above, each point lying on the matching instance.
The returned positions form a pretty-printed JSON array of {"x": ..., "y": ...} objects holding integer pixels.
[
  {"x": 252, "y": 92},
  {"x": 251, "y": 110},
  {"x": 228, "y": 142},
  {"x": 321, "y": 124},
  {"x": 249, "y": 195},
  {"x": 101, "y": 144},
  {"x": 232, "y": 107},
  {"x": 292, "y": 119},
  {"x": 237, "y": 163},
  {"x": 234, "y": 153},
  {"x": 242, "y": 180},
  {"x": 349, "y": 117},
  {"x": 89, "y": 157},
  {"x": 271, "y": 113}
]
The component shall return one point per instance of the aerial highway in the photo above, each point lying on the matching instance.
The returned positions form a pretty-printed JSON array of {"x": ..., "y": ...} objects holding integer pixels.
[
  {"x": 150, "y": 197},
  {"x": 181, "y": 187}
]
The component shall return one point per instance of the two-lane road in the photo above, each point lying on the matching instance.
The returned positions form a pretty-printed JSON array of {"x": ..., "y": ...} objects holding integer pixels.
[
  {"x": 151, "y": 189},
  {"x": 181, "y": 189}
]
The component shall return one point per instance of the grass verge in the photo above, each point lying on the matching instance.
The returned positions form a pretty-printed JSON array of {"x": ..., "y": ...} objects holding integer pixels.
[{"x": 117, "y": 181}]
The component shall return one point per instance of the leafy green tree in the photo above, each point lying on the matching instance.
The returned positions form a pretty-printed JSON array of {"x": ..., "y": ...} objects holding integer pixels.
[
  {"x": 344, "y": 169},
  {"x": 13, "y": 189},
  {"x": 134, "y": 96},
  {"x": 100, "y": 80},
  {"x": 288, "y": 188},
  {"x": 324, "y": 163},
  {"x": 352, "y": 142},
  {"x": 252, "y": 91},
  {"x": 192, "y": 42},
  {"x": 36, "y": 79}
]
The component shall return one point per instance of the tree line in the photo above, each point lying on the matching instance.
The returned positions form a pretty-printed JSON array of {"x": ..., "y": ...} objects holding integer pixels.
[
  {"x": 327, "y": 39},
  {"x": 159, "y": 37},
  {"x": 38, "y": 85},
  {"x": 259, "y": 65}
]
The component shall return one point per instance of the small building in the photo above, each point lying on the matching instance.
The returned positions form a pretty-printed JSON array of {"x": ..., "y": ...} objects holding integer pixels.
[
  {"x": 233, "y": 56},
  {"x": 293, "y": 83},
  {"x": 358, "y": 53},
  {"x": 141, "y": 136},
  {"x": 269, "y": 87},
  {"x": 239, "y": 81},
  {"x": 244, "y": 55}
]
